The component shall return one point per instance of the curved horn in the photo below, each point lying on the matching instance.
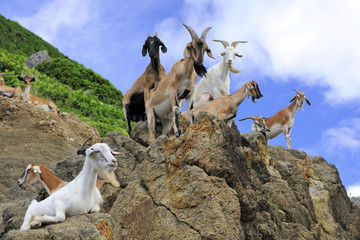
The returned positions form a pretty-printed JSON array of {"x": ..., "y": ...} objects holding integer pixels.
[
  {"x": 233, "y": 44},
  {"x": 297, "y": 91},
  {"x": 251, "y": 117},
  {"x": 191, "y": 31},
  {"x": 155, "y": 35},
  {"x": 81, "y": 151},
  {"x": 204, "y": 33},
  {"x": 225, "y": 43}
]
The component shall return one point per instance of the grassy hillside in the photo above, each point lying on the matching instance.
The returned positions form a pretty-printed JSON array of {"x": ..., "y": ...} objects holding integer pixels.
[{"x": 69, "y": 84}]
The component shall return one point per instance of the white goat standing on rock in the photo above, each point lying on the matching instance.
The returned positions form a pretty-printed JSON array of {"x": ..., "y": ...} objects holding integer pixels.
[
  {"x": 282, "y": 121},
  {"x": 79, "y": 196},
  {"x": 217, "y": 82}
]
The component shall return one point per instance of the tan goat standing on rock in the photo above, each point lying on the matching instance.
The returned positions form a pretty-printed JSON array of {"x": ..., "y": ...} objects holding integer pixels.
[
  {"x": 282, "y": 121},
  {"x": 27, "y": 96},
  {"x": 9, "y": 91},
  {"x": 226, "y": 107},
  {"x": 168, "y": 96},
  {"x": 133, "y": 102}
]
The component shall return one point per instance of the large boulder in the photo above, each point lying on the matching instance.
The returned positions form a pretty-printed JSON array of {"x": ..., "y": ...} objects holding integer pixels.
[{"x": 37, "y": 58}]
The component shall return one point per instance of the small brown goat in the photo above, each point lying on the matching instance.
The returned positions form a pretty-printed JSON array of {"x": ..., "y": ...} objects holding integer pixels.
[
  {"x": 9, "y": 91},
  {"x": 27, "y": 96}
]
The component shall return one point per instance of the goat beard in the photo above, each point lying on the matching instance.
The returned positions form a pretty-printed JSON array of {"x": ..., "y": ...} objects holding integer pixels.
[
  {"x": 110, "y": 177},
  {"x": 200, "y": 70},
  {"x": 233, "y": 70}
]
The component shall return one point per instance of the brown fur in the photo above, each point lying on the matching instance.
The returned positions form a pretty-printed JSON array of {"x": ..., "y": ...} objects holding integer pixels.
[
  {"x": 9, "y": 91},
  {"x": 152, "y": 75},
  {"x": 281, "y": 116},
  {"x": 167, "y": 97},
  {"x": 226, "y": 107},
  {"x": 52, "y": 182},
  {"x": 27, "y": 96}
]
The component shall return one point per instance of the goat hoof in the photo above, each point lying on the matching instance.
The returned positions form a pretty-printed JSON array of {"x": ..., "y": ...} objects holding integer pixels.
[
  {"x": 35, "y": 224},
  {"x": 178, "y": 133}
]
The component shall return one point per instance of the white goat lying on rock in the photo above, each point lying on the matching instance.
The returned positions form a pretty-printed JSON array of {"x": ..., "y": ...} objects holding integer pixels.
[
  {"x": 79, "y": 196},
  {"x": 217, "y": 82},
  {"x": 282, "y": 121}
]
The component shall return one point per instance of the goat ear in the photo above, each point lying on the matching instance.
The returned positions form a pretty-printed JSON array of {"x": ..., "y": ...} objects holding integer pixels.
[
  {"x": 307, "y": 101},
  {"x": 36, "y": 169},
  {"x": 144, "y": 50},
  {"x": 293, "y": 99},
  {"x": 209, "y": 53},
  {"x": 187, "y": 50},
  {"x": 20, "y": 78},
  {"x": 81, "y": 152},
  {"x": 249, "y": 86},
  {"x": 238, "y": 55},
  {"x": 33, "y": 79},
  {"x": 163, "y": 49}
]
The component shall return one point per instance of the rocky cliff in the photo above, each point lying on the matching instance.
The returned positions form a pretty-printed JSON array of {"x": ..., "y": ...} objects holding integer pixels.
[{"x": 210, "y": 183}]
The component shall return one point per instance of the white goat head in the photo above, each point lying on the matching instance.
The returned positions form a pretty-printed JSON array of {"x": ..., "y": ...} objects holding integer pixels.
[
  {"x": 152, "y": 45},
  {"x": 300, "y": 97},
  {"x": 196, "y": 48},
  {"x": 102, "y": 159},
  {"x": 229, "y": 54}
]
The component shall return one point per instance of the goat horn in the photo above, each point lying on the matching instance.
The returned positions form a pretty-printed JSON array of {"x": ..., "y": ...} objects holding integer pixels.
[
  {"x": 149, "y": 35},
  {"x": 81, "y": 151},
  {"x": 204, "y": 33},
  {"x": 155, "y": 35},
  {"x": 297, "y": 91},
  {"x": 251, "y": 117},
  {"x": 233, "y": 44},
  {"x": 191, "y": 31},
  {"x": 225, "y": 43}
]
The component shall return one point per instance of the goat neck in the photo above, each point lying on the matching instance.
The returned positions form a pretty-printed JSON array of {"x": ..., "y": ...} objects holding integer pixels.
[
  {"x": 238, "y": 97},
  {"x": 188, "y": 69},
  {"x": 294, "y": 107},
  {"x": 225, "y": 72},
  {"x": 26, "y": 93},
  {"x": 155, "y": 65},
  {"x": 49, "y": 180},
  {"x": 87, "y": 177}
]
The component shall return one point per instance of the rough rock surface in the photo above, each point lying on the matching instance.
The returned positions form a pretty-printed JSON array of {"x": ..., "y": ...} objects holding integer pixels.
[
  {"x": 37, "y": 58},
  {"x": 210, "y": 183},
  {"x": 32, "y": 135}
]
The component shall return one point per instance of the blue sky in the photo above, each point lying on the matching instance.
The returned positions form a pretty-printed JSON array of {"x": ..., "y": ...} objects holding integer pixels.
[{"x": 312, "y": 46}]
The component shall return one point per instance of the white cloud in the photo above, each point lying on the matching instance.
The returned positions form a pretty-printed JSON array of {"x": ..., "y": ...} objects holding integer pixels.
[
  {"x": 315, "y": 42},
  {"x": 354, "y": 190},
  {"x": 57, "y": 15},
  {"x": 344, "y": 137}
]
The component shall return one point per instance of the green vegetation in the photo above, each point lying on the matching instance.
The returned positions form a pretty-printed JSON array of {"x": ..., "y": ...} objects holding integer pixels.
[
  {"x": 16, "y": 39},
  {"x": 70, "y": 85}
]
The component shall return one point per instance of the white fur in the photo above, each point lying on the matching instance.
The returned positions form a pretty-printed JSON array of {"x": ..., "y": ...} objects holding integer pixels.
[
  {"x": 80, "y": 196},
  {"x": 217, "y": 81}
]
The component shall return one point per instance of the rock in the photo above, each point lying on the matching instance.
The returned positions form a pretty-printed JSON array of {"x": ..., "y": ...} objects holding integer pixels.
[
  {"x": 89, "y": 226},
  {"x": 209, "y": 183},
  {"x": 37, "y": 58}
]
